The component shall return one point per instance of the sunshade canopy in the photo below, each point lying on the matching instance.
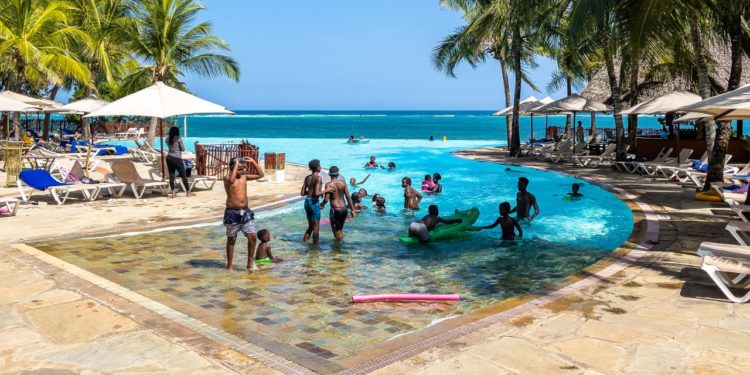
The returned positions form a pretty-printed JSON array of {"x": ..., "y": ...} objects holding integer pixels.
[
  {"x": 547, "y": 100},
  {"x": 87, "y": 105},
  {"x": 160, "y": 101},
  {"x": 573, "y": 103},
  {"x": 666, "y": 103},
  {"x": 44, "y": 105},
  {"x": 10, "y": 105},
  {"x": 734, "y": 104},
  {"x": 525, "y": 105}
]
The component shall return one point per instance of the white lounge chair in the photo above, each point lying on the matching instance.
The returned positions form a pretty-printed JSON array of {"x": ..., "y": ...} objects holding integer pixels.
[
  {"x": 729, "y": 272},
  {"x": 124, "y": 171},
  {"x": 679, "y": 172},
  {"x": 738, "y": 208},
  {"x": 42, "y": 180},
  {"x": 736, "y": 229},
  {"x": 11, "y": 204},
  {"x": 652, "y": 168},
  {"x": 131, "y": 132},
  {"x": 697, "y": 177},
  {"x": 207, "y": 181},
  {"x": 633, "y": 166}
]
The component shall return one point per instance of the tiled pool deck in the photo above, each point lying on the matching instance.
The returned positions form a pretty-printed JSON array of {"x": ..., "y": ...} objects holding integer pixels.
[{"x": 657, "y": 315}]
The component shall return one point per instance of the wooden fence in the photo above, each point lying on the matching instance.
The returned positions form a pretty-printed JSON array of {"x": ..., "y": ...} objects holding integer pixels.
[{"x": 213, "y": 159}]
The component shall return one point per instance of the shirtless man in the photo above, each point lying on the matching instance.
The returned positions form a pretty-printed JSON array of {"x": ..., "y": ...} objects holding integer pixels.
[
  {"x": 237, "y": 215},
  {"x": 411, "y": 196},
  {"x": 312, "y": 189},
  {"x": 338, "y": 194},
  {"x": 525, "y": 201},
  {"x": 421, "y": 228}
]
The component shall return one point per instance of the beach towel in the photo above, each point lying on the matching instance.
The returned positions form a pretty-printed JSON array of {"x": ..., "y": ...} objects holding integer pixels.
[{"x": 39, "y": 179}]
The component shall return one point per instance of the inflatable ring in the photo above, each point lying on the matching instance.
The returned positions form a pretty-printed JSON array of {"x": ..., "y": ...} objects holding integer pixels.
[{"x": 712, "y": 195}]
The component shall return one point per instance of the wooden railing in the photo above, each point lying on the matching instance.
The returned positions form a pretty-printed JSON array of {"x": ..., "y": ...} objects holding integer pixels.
[{"x": 213, "y": 159}]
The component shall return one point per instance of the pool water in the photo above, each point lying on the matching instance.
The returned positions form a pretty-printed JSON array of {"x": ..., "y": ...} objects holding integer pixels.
[{"x": 303, "y": 302}]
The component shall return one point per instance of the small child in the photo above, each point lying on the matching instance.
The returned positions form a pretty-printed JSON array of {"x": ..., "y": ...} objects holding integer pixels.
[
  {"x": 575, "y": 195},
  {"x": 380, "y": 204},
  {"x": 391, "y": 166},
  {"x": 375, "y": 198},
  {"x": 427, "y": 184},
  {"x": 362, "y": 193},
  {"x": 507, "y": 224},
  {"x": 263, "y": 253},
  {"x": 357, "y": 201}
]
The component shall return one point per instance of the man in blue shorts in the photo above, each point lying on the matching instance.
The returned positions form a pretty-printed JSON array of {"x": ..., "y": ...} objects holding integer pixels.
[{"x": 312, "y": 189}]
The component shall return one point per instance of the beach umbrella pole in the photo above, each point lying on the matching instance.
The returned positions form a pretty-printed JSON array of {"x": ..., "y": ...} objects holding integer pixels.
[
  {"x": 573, "y": 126},
  {"x": 161, "y": 146},
  {"x": 531, "y": 137}
]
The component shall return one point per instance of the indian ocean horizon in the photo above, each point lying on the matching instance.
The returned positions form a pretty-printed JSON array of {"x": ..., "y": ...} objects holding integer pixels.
[{"x": 454, "y": 125}]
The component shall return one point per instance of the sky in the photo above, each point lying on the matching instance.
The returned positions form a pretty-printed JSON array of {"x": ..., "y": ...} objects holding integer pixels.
[{"x": 346, "y": 55}]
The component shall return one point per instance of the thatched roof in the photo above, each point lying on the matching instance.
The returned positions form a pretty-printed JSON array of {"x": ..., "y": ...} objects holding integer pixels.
[{"x": 598, "y": 88}]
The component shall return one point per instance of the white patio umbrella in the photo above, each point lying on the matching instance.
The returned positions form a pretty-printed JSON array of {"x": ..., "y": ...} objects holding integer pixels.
[
  {"x": 87, "y": 105},
  {"x": 10, "y": 105},
  {"x": 509, "y": 110},
  {"x": 573, "y": 104},
  {"x": 734, "y": 104},
  {"x": 667, "y": 103},
  {"x": 159, "y": 101},
  {"x": 526, "y": 108}
]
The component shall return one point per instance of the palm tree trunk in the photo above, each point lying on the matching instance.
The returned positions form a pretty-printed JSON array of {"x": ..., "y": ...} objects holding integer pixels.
[
  {"x": 506, "y": 89},
  {"x": 719, "y": 151},
  {"x": 704, "y": 85},
  {"x": 615, "y": 88},
  {"x": 47, "y": 115},
  {"x": 569, "y": 91},
  {"x": 90, "y": 90},
  {"x": 633, "y": 119},
  {"x": 152, "y": 131},
  {"x": 515, "y": 144}
]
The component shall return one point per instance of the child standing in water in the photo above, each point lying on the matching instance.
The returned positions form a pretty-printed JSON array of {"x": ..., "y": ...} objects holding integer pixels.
[
  {"x": 506, "y": 223},
  {"x": 263, "y": 254},
  {"x": 427, "y": 184},
  {"x": 525, "y": 201},
  {"x": 380, "y": 204},
  {"x": 411, "y": 196},
  {"x": 357, "y": 200},
  {"x": 312, "y": 189}
]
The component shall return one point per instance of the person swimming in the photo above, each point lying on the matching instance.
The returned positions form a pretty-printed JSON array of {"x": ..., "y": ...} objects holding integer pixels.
[
  {"x": 507, "y": 224},
  {"x": 421, "y": 228},
  {"x": 351, "y": 139},
  {"x": 391, "y": 166},
  {"x": 427, "y": 184},
  {"x": 363, "y": 193},
  {"x": 375, "y": 198},
  {"x": 357, "y": 200},
  {"x": 372, "y": 163},
  {"x": 353, "y": 181},
  {"x": 575, "y": 195},
  {"x": 380, "y": 204},
  {"x": 437, "y": 188}
]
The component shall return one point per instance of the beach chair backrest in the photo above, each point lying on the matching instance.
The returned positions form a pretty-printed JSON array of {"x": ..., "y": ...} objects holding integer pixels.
[
  {"x": 704, "y": 158},
  {"x": 39, "y": 179},
  {"x": 579, "y": 148},
  {"x": 609, "y": 149},
  {"x": 727, "y": 158},
  {"x": 684, "y": 155},
  {"x": 124, "y": 171},
  {"x": 664, "y": 155},
  {"x": 744, "y": 170},
  {"x": 565, "y": 146}
]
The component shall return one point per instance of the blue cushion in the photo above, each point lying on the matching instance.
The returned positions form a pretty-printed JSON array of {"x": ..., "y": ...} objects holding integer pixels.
[{"x": 39, "y": 179}]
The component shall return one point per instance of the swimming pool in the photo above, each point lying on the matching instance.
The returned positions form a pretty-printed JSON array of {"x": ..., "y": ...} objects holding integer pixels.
[{"x": 303, "y": 303}]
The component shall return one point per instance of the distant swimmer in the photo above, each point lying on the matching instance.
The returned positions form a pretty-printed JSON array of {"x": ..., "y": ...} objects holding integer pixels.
[
  {"x": 432, "y": 138},
  {"x": 511, "y": 170},
  {"x": 437, "y": 188},
  {"x": 421, "y": 228},
  {"x": 391, "y": 166},
  {"x": 411, "y": 196},
  {"x": 507, "y": 224},
  {"x": 575, "y": 195},
  {"x": 372, "y": 163},
  {"x": 353, "y": 181},
  {"x": 427, "y": 184},
  {"x": 525, "y": 201}
]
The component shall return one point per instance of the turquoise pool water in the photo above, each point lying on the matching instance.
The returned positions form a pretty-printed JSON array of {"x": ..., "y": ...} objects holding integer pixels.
[{"x": 304, "y": 302}]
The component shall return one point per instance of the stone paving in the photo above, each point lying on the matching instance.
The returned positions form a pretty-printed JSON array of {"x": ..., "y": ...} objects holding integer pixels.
[{"x": 661, "y": 315}]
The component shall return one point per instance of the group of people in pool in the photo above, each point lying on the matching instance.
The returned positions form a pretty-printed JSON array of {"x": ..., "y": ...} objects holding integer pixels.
[{"x": 238, "y": 217}]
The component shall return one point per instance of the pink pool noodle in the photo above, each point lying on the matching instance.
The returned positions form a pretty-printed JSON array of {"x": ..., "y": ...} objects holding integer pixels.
[{"x": 359, "y": 298}]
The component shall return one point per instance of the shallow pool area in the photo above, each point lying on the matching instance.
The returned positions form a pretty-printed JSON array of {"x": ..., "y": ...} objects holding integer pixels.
[{"x": 301, "y": 307}]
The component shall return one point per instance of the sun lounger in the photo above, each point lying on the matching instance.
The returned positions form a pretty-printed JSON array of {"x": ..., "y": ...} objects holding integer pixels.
[
  {"x": 697, "y": 175},
  {"x": 673, "y": 173},
  {"x": 124, "y": 171},
  {"x": 11, "y": 206},
  {"x": 722, "y": 249},
  {"x": 633, "y": 166},
  {"x": 75, "y": 174},
  {"x": 207, "y": 181},
  {"x": 739, "y": 209},
  {"x": 729, "y": 272},
  {"x": 652, "y": 168},
  {"x": 595, "y": 160},
  {"x": 736, "y": 229},
  {"x": 563, "y": 147},
  {"x": 130, "y": 133},
  {"x": 42, "y": 180}
]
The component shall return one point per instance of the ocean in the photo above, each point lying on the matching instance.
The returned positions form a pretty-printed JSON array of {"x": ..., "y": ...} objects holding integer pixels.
[{"x": 454, "y": 125}]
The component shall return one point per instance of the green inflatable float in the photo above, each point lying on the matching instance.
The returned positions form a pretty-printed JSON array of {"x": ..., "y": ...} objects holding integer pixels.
[{"x": 443, "y": 232}]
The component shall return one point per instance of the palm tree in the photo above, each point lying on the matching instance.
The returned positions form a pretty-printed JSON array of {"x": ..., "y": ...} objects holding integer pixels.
[
  {"x": 170, "y": 44},
  {"x": 104, "y": 47},
  {"x": 465, "y": 46},
  {"x": 35, "y": 39}
]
